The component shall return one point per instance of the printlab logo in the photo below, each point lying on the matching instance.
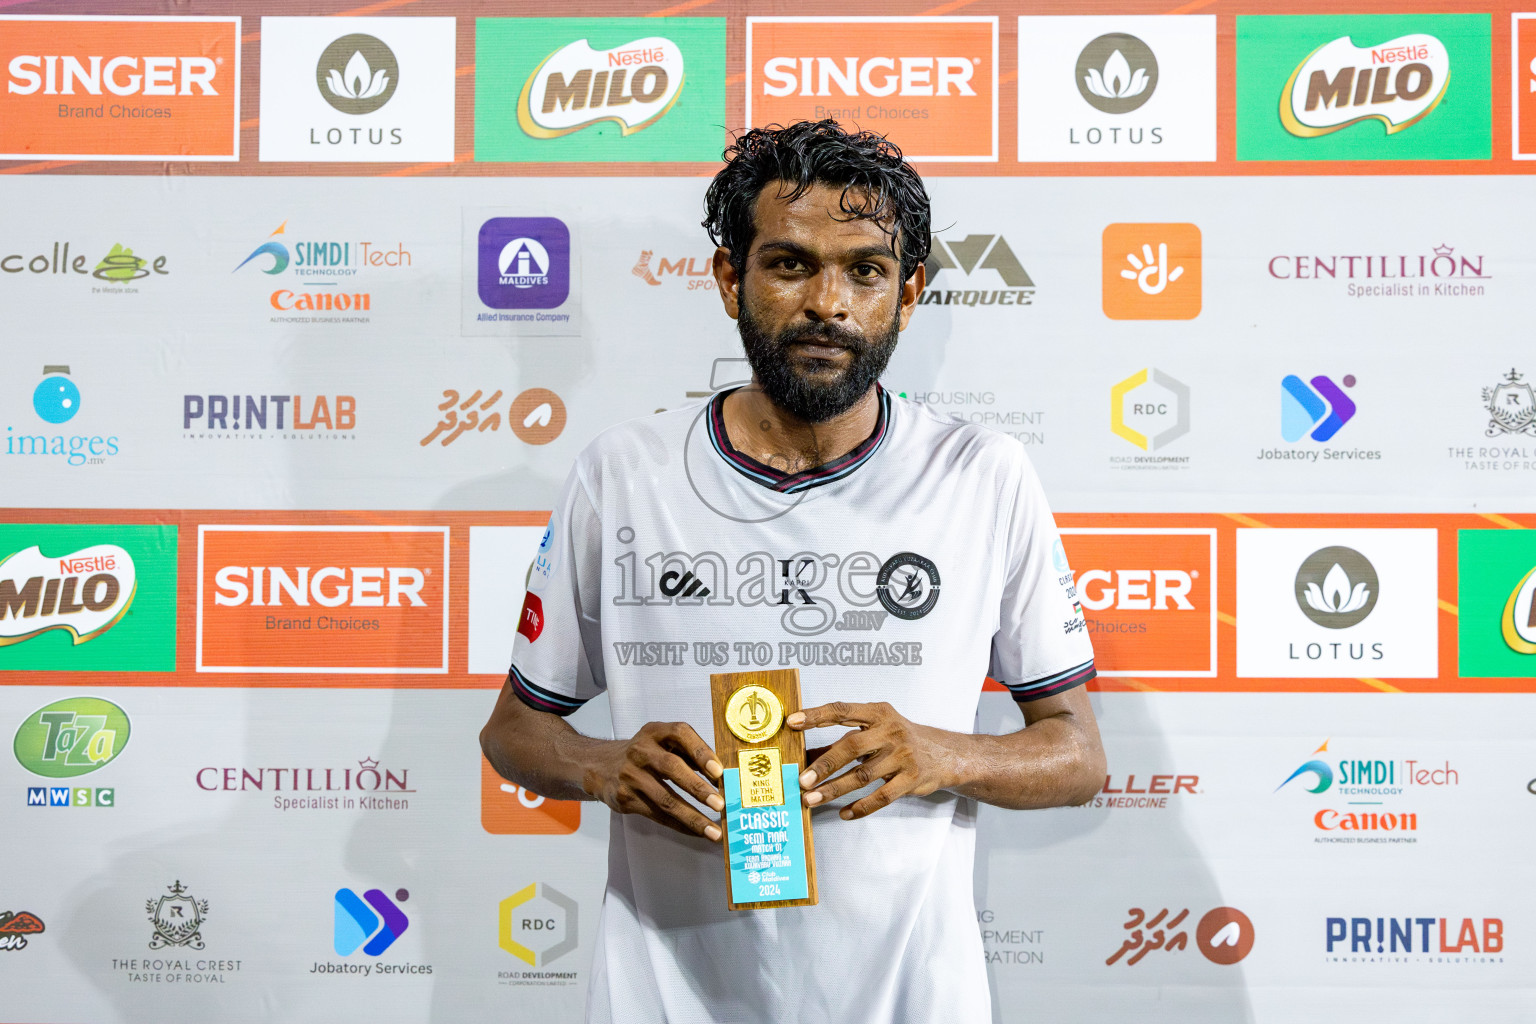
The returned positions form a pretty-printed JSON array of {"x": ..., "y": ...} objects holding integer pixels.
[
  {"x": 1496, "y": 596},
  {"x": 1154, "y": 401},
  {"x": 15, "y": 927},
  {"x": 969, "y": 255},
  {"x": 1319, "y": 411},
  {"x": 371, "y": 921},
  {"x": 1364, "y": 87},
  {"x": 177, "y": 918},
  {"x": 1151, "y": 271},
  {"x": 291, "y": 417},
  {"x": 1223, "y": 935},
  {"x": 1337, "y": 587},
  {"x": 357, "y": 74},
  {"x": 1414, "y": 935},
  {"x": 1116, "y": 73},
  {"x": 536, "y": 416},
  {"x": 1511, "y": 406},
  {"x": 538, "y": 924},
  {"x": 525, "y": 263}
]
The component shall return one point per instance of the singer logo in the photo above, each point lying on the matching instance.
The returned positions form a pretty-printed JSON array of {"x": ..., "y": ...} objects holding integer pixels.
[
  {"x": 1148, "y": 597},
  {"x": 322, "y": 599},
  {"x": 931, "y": 83},
  {"x": 120, "y": 88}
]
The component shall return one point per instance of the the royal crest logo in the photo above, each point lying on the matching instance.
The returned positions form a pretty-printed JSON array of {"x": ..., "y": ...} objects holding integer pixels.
[
  {"x": 178, "y": 918},
  {"x": 1339, "y": 84},
  {"x": 632, "y": 85},
  {"x": 1511, "y": 406},
  {"x": 84, "y": 593}
]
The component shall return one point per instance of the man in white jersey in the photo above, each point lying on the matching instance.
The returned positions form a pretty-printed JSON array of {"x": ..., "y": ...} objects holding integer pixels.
[{"x": 810, "y": 520}]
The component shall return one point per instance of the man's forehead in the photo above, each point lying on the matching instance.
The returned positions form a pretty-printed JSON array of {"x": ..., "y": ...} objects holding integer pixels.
[{"x": 817, "y": 215}]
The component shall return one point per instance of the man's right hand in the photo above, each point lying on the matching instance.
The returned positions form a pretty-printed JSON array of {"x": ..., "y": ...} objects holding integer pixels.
[{"x": 637, "y": 776}]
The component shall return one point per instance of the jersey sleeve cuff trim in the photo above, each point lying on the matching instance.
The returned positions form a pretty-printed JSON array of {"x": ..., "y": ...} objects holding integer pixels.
[
  {"x": 541, "y": 699},
  {"x": 1051, "y": 685}
]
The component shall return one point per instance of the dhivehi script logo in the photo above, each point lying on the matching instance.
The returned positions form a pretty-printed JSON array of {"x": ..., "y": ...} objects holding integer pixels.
[
  {"x": 85, "y": 593},
  {"x": 631, "y": 85},
  {"x": 1339, "y": 84}
]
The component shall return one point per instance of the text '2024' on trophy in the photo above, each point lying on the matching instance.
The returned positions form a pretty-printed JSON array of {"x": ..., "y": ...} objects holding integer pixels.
[{"x": 769, "y": 859}]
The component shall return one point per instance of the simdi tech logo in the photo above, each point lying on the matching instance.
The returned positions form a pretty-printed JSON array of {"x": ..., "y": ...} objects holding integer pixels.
[
  {"x": 582, "y": 89},
  {"x": 1151, "y": 271},
  {"x": 1108, "y": 88},
  {"x": 1364, "y": 87},
  {"x": 357, "y": 89},
  {"x": 930, "y": 82},
  {"x": 1496, "y": 604},
  {"x": 87, "y": 597},
  {"x": 319, "y": 273},
  {"x": 322, "y": 599},
  {"x": 120, "y": 88}
]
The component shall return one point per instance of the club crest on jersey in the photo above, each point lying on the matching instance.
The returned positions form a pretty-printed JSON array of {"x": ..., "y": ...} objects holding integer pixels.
[{"x": 908, "y": 585}]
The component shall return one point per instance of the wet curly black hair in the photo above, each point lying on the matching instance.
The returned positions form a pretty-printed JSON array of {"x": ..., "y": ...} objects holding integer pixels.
[{"x": 877, "y": 184}]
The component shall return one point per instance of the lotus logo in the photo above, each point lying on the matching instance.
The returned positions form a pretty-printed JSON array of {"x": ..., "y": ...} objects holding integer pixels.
[
  {"x": 1336, "y": 587},
  {"x": 1116, "y": 73},
  {"x": 357, "y": 74}
]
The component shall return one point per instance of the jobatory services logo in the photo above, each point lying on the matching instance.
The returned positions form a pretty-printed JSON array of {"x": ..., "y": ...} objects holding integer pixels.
[
  {"x": 1315, "y": 411},
  {"x": 69, "y": 738},
  {"x": 538, "y": 925},
  {"x": 507, "y": 809},
  {"x": 120, "y": 88},
  {"x": 585, "y": 89},
  {"x": 1523, "y": 82},
  {"x": 16, "y": 926},
  {"x": 322, "y": 599},
  {"x": 88, "y": 597},
  {"x": 1105, "y": 88},
  {"x": 1223, "y": 935},
  {"x": 357, "y": 89},
  {"x": 1148, "y": 595},
  {"x": 1331, "y": 603},
  {"x": 371, "y": 923},
  {"x": 56, "y": 400},
  {"x": 929, "y": 81},
  {"x": 235, "y": 416},
  {"x": 535, "y": 416},
  {"x": 1437, "y": 272},
  {"x": 969, "y": 260},
  {"x": 1362, "y": 796},
  {"x": 1413, "y": 940},
  {"x": 1364, "y": 87},
  {"x": 369, "y": 786},
  {"x": 1151, "y": 271},
  {"x": 1496, "y": 604},
  {"x": 1149, "y": 409}
]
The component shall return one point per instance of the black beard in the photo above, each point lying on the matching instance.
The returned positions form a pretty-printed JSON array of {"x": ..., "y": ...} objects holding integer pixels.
[{"x": 797, "y": 385}]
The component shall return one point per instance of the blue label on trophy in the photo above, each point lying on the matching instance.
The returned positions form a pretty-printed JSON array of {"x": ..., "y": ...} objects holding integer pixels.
[{"x": 766, "y": 844}]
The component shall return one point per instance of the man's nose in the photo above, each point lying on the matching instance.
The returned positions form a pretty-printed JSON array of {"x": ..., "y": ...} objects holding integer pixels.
[{"x": 827, "y": 297}]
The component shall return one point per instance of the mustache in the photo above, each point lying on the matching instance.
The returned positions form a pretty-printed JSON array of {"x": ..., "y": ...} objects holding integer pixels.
[{"x": 823, "y": 333}]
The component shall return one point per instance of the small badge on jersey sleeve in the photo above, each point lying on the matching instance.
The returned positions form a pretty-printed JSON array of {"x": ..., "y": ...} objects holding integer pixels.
[
  {"x": 530, "y": 623},
  {"x": 543, "y": 566}
]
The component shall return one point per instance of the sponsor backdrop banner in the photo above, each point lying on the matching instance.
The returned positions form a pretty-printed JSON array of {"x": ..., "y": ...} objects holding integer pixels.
[{"x": 309, "y": 309}]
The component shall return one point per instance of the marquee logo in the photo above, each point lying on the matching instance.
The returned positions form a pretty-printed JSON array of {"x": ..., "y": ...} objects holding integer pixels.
[
  {"x": 1382, "y": 87},
  {"x": 1496, "y": 601},
  {"x": 632, "y": 85},
  {"x": 71, "y": 737},
  {"x": 967, "y": 257},
  {"x": 357, "y": 74},
  {"x": 119, "y": 88},
  {"x": 1148, "y": 597},
  {"x": 929, "y": 81},
  {"x": 323, "y": 599},
  {"x": 1116, "y": 73},
  {"x": 1337, "y": 587},
  {"x": 1151, "y": 271},
  {"x": 83, "y": 593}
]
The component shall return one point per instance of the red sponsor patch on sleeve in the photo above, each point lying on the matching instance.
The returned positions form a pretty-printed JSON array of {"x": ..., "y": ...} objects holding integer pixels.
[{"x": 531, "y": 622}]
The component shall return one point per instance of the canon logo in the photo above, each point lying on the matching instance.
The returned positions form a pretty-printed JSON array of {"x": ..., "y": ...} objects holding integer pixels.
[
  {"x": 121, "y": 76},
  {"x": 264, "y": 586},
  {"x": 1128, "y": 589},
  {"x": 876, "y": 76}
]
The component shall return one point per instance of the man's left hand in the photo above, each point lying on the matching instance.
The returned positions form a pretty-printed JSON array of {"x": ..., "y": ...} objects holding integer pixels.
[{"x": 912, "y": 759}]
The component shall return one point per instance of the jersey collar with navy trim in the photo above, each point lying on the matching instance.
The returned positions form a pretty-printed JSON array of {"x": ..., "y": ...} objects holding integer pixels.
[{"x": 792, "y": 483}]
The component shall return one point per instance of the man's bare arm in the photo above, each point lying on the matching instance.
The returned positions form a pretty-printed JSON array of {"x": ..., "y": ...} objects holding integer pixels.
[
  {"x": 541, "y": 752},
  {"x": 1055, "y": 760}
]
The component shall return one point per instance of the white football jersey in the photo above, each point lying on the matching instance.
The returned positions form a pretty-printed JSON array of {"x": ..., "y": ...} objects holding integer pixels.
[{"x": 906, "y": 572}]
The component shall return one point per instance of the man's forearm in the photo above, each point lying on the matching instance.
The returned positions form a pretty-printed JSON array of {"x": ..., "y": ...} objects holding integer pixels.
[
  {"x": 540, "y": 751},
  {"x": 1052, "y": 763}
]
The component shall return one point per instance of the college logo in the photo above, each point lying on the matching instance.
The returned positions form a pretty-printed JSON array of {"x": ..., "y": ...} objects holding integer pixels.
[
  {"x": 372, "y": 921},
  {"x": 1363, "y": 87},
  {"x": 975, "y": 253},
  {"x": 929, "y": 81},
  {"x": 1377, "y": 935},
  {"x": 120, "y": 88},
  {"x": 71, "y": 737},
  {"x": 119, "y": 266},
  {"x": 507, "y": 809},
  {"x": 1511, "y": 406},
  {"x": 1496, "y": 603},
  {"x": 538, "y": 924},
  {"x": 15, "y": 926},
  {"x": 1148, "y": 595},
  {"x": 178, "y": 918},
  {"x": 1224, "y": 935},
  {"x": 1523, "y": 75},
  {"x": 1318, "y": 412},
  {"x": 1154, "y": 401},
  {"x": 1336, "y": 587},
  {"x": 1116, "y": 73},
  {"x": 1151, "y": 271},
  {"x": 357, "y": 74},
  {"x": 525, "y": 263},
  {"x": 87, "y": 597},
  {"x": 599, "y": 88},
  {"x": 907, "y": 585},
  {"x": 323, "y": 599},
  {"x": 381, "y": 89}
]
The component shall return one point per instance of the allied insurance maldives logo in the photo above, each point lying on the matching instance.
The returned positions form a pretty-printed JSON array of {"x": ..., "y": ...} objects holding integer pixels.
[
  {"x": 578, "y": 89},
  {"x": 322, "y": 599},
  {"x": 1364, "y": 87},
  {"x": 109, "y": 88},
  {"x": 929, "y": 83}
]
